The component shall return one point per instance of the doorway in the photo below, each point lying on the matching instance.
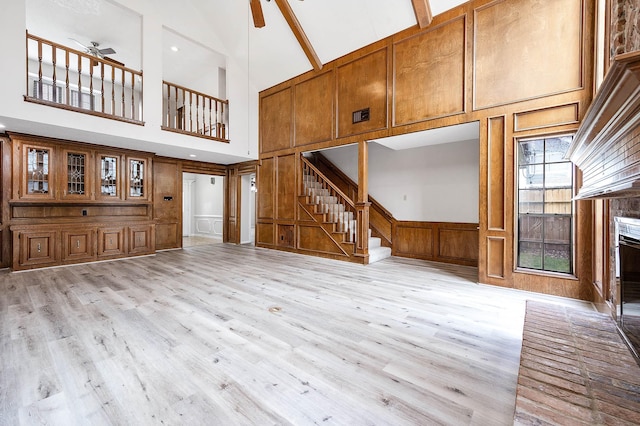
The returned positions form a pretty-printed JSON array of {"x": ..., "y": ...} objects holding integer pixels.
[
  {"x": 248, "y": 192},
  {"x": 202, "y": 209}
]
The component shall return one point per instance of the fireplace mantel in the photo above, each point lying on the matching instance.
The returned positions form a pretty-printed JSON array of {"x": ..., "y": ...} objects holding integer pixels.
[{"x": 606, "y": 147}]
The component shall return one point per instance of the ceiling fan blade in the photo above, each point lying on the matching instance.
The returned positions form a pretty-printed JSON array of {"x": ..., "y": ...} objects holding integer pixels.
[
  {"x": 107, "y": 51},
  {"x": 256, "y": 12},
  {"x": 78, "y": 43}
]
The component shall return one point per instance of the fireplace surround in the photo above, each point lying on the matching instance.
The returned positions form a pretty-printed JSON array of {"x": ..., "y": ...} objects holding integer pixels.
[{"x": 627, "y": 231}]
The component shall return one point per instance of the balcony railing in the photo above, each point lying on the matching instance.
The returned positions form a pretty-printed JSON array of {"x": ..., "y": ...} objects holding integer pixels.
[
  {"x": 67, "y": 78},
  {"x": 194, "y": 113}
]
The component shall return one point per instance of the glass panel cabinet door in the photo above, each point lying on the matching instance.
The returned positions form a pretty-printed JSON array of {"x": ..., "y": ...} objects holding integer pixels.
[
  {"x": 35, "y": 178},
  {"x": 137, "y": 179},
  {"x": 38, "y": 161},
  {"x": 76, "y": 183},
  {"x": 109, "y": 167}
]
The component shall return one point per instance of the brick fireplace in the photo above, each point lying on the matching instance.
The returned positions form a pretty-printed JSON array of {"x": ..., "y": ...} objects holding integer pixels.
[{"x": 607, "y": 145}]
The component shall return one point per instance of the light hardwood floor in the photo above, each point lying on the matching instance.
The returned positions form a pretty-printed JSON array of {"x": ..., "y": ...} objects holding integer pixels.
[{"x": 225, "y": 335}]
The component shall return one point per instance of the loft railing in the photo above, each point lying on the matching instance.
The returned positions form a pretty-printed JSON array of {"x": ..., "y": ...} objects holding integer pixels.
[
  {"x": 330, "y": 200},
  {"x": 194, "y": 113},
  {"x": 66, "y": 78}
]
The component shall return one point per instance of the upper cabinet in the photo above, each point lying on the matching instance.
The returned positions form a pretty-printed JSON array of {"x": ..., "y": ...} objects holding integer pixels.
[
  {"x": 137, "y": 178},
  {"x": 36, "y": 174},
  {"x": 76, "y": 175},
  {"x": 49, "y": 172}
]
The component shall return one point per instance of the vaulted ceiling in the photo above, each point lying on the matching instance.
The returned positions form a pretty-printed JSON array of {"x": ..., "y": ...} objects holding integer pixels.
[{"x": 332, "y": 28}]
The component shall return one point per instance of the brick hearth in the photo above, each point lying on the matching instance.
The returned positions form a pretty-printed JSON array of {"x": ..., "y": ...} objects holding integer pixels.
[{"x": 575, "y": 369}]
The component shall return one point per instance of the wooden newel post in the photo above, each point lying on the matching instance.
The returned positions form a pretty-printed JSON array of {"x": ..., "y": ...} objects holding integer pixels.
[
  {"x": 362, "y": 236},
  {"x": 362, "y": 203}
]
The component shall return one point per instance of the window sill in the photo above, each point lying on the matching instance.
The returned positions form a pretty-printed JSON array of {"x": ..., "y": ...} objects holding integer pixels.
[{"x": 549, "y": 274}]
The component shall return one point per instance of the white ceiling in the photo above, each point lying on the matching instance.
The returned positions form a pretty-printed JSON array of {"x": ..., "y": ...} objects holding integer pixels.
[
  {"x": 457, "y": 133},
  {"x": 334, "y": 28}
]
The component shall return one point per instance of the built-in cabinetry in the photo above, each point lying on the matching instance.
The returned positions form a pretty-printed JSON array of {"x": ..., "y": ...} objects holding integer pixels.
[{"x": 74, "y": 202}]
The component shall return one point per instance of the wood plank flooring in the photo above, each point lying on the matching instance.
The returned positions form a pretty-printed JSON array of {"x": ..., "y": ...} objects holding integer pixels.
[{"x": 237, "y": 335}]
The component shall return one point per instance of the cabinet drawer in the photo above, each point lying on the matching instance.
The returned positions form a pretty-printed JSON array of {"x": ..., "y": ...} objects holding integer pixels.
[
  {"x": 78, "y": 245},
  {"x": 111, "y": 242}
]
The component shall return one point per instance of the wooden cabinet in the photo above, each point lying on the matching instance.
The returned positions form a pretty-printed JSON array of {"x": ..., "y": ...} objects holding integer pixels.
[
  {"x": 138, "y": 172},
  {"x": 141, "y": 239},
  {"x": 34, "y": 177},
  {"x": 111, "y": 242},
  {"x": 35, "y": 248},
  {"x": 76, "y": 175},
  {"x": 72, "y": 202},
  {"x": 109, "y": 176},
  {"x": 67, "y": 172},
  {"x": 78, "y": 245},
  {"x": 39, "y": 245}
]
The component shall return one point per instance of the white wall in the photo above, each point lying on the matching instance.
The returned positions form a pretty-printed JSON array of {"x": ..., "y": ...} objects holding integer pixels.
[
  {"x": 438, "y": 183},
  {"x": 207, "y": 204},
  {"x": 208, "y": 197},
  {"x": 27, "y": 117}
]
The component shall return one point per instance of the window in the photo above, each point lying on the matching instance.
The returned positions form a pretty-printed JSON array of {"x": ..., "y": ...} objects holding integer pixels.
[
  {"x": 47, "y": 91},
  {"x": 545, "y": 206}
]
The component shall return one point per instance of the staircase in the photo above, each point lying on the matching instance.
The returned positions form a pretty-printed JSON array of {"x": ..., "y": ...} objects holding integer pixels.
[
  {"x": 337, "y": 215},
  {"x": 376, "y": 250}
]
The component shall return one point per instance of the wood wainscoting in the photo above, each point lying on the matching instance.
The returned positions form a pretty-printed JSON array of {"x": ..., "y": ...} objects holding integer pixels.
[{"x": 446, "y": 242}]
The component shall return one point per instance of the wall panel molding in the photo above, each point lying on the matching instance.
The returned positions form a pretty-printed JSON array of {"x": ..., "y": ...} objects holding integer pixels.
[
  {"x": 496, "y": 171},
  {"x": 547, "y": 117},
  {"x": 446, "y": 242},
  {"x": 429, "y": 73},
  {"x": 505, "y": 72}
]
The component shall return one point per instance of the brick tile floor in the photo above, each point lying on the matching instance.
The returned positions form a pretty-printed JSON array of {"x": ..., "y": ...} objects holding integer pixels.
[{"x": 575, "y": 370}]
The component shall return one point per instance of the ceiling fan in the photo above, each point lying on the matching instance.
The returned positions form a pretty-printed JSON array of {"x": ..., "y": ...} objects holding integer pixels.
[{"x": 94, "y": 49}]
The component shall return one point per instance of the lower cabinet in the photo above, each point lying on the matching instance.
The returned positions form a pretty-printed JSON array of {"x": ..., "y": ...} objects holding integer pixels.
[
  {"x": 141, "y": 239},
  {"x": 37, "y": 246},
  {"x": 111, "y": 242},
  {"x": 78, "y": 245}
]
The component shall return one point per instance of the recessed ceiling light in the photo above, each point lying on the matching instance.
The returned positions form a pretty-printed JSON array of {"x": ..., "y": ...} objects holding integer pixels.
[
  {"x": 2, "y": 126},
  {"x": 174, "y": 48},
  {"x": 192, "y": 155}
]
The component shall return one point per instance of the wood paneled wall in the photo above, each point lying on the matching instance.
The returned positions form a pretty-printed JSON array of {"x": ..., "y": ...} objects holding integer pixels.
[
  {"x": 519, "y": 68},
  {"x": 5, "y": 189},
  {"x": 167, "y": 203},
  {"x": 438, "y": 241},
  {"x": 429, "y": 73}
]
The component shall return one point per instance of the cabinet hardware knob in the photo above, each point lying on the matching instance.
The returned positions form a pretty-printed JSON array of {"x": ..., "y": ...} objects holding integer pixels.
[
  {"x": 39, "y": 248},
  {"x": 110, "y": 240},
  {"x": 77, "y": 243}
]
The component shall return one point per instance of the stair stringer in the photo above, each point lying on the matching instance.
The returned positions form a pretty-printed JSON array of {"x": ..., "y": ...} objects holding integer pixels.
[{"x": 327, "y": 230}]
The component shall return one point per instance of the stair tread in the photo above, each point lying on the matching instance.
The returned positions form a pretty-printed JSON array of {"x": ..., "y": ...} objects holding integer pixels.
[{"x": 378, "y": 253}]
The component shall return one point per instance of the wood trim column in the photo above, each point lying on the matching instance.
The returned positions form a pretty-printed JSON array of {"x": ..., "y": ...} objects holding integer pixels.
[
  {"x": 362, "y": 203},
  {"x": 5, "y": 190}
]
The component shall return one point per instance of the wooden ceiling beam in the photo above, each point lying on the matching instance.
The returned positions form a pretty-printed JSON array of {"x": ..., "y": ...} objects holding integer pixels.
[
  {"x": 297, "y": 30},
  {"x": 422, "y": 10},
  {"x": 256, "y": 12}
]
